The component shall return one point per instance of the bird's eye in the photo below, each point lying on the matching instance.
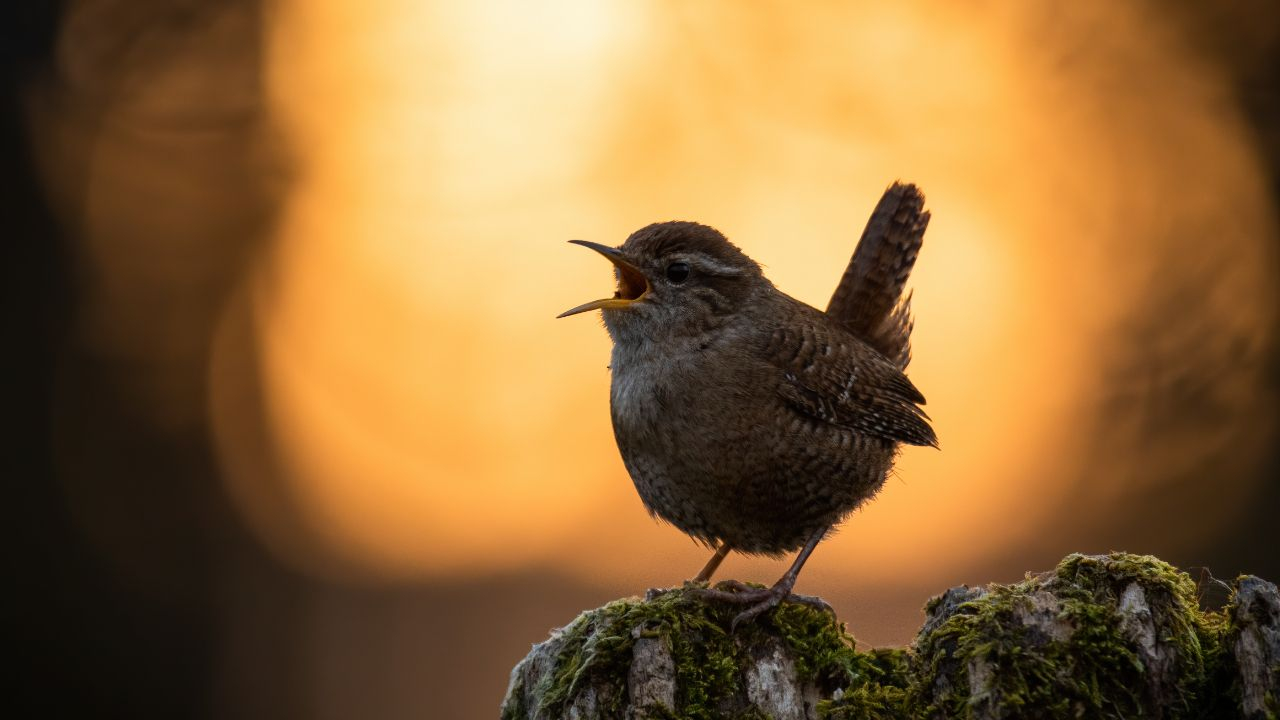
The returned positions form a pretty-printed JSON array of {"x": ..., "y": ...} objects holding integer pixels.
[{"x": 678, "y": 272}]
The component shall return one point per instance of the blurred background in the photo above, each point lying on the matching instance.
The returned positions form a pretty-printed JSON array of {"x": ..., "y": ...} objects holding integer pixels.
[{"x": 291, "y": 429}]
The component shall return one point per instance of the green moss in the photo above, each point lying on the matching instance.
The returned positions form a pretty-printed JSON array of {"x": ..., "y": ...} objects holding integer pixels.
[
  {"x": 598, "y": 645},
  {"x": 877, "y": 688},
  {"x": 708, "y": 658},
  {"x": 1176, "y": 615},
  {"x": 1074, "y": 642},
  {"x": 1055, "y": 646},
  {"x": 868, "y": 702}
]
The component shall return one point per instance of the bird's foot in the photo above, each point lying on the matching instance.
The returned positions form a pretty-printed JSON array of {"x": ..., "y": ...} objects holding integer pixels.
[{"x": 759, "y": 599}]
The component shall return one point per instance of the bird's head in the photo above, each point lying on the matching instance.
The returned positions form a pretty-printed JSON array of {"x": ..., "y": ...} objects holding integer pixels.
[{"x": 674, "y": 278}]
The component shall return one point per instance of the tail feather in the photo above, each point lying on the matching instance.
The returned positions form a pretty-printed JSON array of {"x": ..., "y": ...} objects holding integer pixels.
[{"x": 869, "y": 300}]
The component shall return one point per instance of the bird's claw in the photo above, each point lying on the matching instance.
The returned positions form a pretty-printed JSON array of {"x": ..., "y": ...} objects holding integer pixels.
[
  {"x": 812, "y": 601},
  {"x": 760, "y": 599}
]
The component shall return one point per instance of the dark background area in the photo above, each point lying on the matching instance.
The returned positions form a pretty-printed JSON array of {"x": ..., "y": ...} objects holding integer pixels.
[{"x": 199, "y": 620}]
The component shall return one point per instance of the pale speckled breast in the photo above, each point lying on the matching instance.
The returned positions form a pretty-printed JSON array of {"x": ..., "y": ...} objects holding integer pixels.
[{"x": 638, "y": 398}]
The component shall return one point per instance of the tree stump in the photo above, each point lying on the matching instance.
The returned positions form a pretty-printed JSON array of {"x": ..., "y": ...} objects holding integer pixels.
[{"x": 1113, "y": 636}]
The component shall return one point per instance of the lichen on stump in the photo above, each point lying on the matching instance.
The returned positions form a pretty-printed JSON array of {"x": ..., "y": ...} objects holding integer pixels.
[
  {"x": 1117, "y": 636},
  {"x": 1113, "y": 636},
  {"x": 672, "y": 656},
  {"x": 1252, "y": 648}
]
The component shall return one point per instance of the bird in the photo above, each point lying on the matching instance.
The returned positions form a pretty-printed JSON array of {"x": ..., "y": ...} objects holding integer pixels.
[{"x": 749, "y": 420}]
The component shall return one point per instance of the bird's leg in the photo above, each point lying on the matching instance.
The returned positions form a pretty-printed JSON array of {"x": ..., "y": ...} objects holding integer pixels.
[
  {"x": 709, "y": 569},
  {"x": 762, "y": 599},
  {"x": 781, "y": 590}
]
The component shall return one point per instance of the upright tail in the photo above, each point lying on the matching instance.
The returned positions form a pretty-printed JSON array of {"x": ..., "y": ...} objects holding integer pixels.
[{"x": 869, "y": 300}]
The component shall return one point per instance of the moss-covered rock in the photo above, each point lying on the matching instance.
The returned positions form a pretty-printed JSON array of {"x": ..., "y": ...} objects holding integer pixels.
[
  {"x": 672, "y": 655},
  {"x": 1115, "y": 636},
  {"x": 1251, "y": 645}
]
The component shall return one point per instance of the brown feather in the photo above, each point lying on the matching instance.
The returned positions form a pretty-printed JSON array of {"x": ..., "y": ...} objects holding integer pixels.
[{"x": 869, "y": 299}]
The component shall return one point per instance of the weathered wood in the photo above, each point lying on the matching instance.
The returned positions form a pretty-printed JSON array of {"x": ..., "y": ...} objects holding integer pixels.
[{"x": 1100, "y": 636}]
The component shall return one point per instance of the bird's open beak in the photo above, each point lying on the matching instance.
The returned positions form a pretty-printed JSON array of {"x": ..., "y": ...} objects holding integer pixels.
[{"x": 632, "y": 285}]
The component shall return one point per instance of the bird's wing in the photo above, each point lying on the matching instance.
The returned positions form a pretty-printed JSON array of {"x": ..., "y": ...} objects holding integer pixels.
[
  {"x": 833, "y": 377},
  {"x": 869, "y": 300}
]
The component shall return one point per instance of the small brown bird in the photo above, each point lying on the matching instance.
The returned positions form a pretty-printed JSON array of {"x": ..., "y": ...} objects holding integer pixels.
[{"x": 746, "y": 418}]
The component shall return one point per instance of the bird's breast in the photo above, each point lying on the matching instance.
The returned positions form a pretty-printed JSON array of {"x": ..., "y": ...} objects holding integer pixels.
[{"x": 638, "y": 391}]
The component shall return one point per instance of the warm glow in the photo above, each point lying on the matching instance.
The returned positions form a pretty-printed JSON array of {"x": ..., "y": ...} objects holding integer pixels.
[{"x": 429, "y": 414}]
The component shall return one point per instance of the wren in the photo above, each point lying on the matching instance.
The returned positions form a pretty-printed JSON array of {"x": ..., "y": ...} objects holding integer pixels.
[{"x": 746, "y": 418}]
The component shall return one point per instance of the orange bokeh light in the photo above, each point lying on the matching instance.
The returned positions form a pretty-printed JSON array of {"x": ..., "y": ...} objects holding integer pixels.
[{"x": 430, "y": 416}]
